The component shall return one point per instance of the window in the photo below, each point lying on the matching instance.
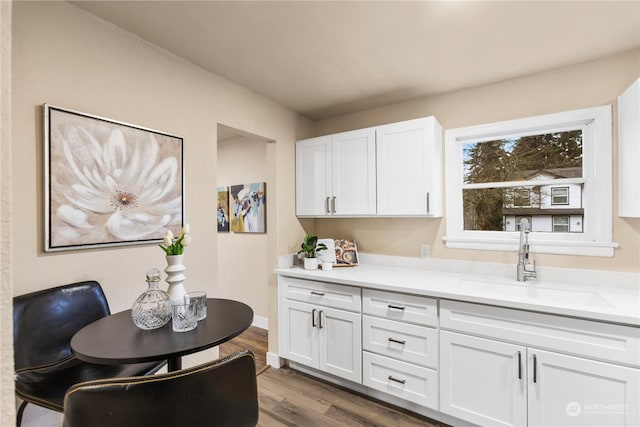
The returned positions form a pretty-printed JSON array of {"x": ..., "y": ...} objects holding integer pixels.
[
  {"x": 560, "y": 196},
  {"x": 560, "y": 224},
  {"x": 498, "y": 172},
  {"x": 521, "y": 197}
]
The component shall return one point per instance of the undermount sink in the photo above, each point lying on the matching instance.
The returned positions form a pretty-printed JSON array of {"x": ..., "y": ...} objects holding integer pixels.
[{"x": 528, "y": 290}]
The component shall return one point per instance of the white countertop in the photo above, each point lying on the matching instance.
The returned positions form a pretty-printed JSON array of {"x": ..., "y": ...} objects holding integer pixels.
[{"x": 618, "y": 304}]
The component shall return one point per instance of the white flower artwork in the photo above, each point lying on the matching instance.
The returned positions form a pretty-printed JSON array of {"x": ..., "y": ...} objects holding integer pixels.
[{"x": 108, "y": 183}]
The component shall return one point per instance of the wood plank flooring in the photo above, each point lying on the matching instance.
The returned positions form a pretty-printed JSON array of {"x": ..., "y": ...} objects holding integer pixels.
[
  {"x": 290, "y": 398},
  {"x": 255, "y": 339}
]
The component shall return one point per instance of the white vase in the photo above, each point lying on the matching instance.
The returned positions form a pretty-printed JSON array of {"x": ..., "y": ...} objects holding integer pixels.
[
  {"x": 175, "y": 277},
  {"x": 311, "y": 263}
]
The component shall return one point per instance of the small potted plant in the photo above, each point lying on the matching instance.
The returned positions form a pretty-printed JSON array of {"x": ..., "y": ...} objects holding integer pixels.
[{"x": 310, "y": 249}]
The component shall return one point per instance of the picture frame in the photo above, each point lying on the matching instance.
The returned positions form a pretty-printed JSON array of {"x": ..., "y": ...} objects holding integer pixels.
[
  {"x": 108, "y": 183},
  {"x": 248, "y": 210},
  {"x": 222, "y": 211},
  {"x": 346, "y": 253}
]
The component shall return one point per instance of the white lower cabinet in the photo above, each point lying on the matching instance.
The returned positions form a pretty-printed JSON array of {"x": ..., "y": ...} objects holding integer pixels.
[
  {"x": 316, "y": 334},
  {"x": 463, "y": 362},
  {"x": 572, "y": 391},
  {"x": 482, "y": 381},
  {"x": 405, "y": 380},
  {"x": 491, "y": 382}
]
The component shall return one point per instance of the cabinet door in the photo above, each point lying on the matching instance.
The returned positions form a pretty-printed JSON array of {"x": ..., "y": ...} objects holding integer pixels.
[
  {"x": 354, "y": 173},
  {"x": 313, "y": 176},
  {"x": 297, "y": 334},
  {"x": 572, "y": 391},
  {"x": 409, "y": 168},
  {"x": 482, "y": 381},
  {"x": 340, "y": 336}
]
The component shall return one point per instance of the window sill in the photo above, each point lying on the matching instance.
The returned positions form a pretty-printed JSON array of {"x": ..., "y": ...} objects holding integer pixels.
[{"x": 598, "y": 249}]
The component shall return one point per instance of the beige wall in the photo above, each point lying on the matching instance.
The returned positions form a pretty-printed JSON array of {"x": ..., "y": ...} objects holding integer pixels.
[
  {"x": 243, "y": 264},
  {"x": 583, "y": 85},
  {"x": 66, "y": 57},
  {"x": 7, "y": 406}
]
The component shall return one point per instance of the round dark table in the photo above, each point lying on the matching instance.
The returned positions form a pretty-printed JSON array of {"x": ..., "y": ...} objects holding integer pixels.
[{"x": 116, "y": 340}]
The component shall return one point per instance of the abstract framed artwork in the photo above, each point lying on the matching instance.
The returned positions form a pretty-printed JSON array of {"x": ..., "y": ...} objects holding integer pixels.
[
  {"x": 108, "y": 183},
  {"x": 248, "y": 208},
  {"x": 223, "y": 210}
]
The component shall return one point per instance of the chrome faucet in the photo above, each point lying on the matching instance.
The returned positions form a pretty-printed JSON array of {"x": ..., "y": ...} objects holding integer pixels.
[{"x": 523, "y": 271}]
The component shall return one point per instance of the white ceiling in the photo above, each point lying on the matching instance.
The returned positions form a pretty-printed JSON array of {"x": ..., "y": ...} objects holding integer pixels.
[{"x": 325, "y": 58}]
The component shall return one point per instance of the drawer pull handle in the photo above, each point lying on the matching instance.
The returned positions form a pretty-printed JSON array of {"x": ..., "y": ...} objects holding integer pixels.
[
  {"x": 396, "y": 380},
  {"x": 326, "y": 204},
  {"x": 519, "y": 366},
  {"x": 320, "y": 294},
  {"x": 313, "y": 318},
  {"x": 320, "y": 320},
  {"x": 535, "y": 369},
  {"x": 333, "y": 204},
  {"x": 403, "y": 342},
  {"x": 396, "y": 307}
]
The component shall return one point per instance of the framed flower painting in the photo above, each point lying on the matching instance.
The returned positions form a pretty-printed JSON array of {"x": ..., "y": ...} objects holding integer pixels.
[{"x": 108, "y": 183}]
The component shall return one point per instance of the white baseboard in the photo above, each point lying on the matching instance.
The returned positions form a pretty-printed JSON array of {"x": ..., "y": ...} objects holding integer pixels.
[
  {"x": 274, "y": 360},
  {"x": 260, "y": 322}
]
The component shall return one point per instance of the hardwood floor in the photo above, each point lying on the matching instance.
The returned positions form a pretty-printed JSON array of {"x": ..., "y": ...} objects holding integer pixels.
[
  {"x": 290, "y": 398},
  {"x": 255, "y": 339}
]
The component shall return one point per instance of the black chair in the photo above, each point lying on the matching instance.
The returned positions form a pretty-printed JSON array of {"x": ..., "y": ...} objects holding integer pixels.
[
  {"x": 43, "y": 324},
  {"x": 221, "y": 393}
]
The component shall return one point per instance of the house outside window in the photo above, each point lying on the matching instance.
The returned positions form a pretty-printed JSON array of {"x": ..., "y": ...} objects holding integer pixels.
[
  {"x": 552, "y": 159},
  {"x": 560, "y": 196}
]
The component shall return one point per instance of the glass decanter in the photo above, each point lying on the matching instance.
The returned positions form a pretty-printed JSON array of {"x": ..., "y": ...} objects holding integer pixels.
[{"x": 152, "y": 309}]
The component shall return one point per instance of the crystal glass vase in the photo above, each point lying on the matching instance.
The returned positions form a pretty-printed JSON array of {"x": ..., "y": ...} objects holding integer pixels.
[{"x": 152, "y": 309}]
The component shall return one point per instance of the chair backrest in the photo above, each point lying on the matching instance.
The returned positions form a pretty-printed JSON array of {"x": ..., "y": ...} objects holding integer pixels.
[
  {"x": 221, "y": 393},
  {"x": 44, "y": 321}
]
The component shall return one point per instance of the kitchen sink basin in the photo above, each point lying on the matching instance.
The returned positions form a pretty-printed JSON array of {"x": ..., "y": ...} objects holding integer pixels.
[{"x": 528, "y": 291}]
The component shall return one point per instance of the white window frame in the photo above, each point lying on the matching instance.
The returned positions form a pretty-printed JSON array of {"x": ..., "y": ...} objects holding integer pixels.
[{"x": 596, "y": 239}]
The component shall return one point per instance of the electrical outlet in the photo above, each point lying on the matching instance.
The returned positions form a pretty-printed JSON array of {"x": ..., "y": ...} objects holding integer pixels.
[{"x": 425, "y": 250}]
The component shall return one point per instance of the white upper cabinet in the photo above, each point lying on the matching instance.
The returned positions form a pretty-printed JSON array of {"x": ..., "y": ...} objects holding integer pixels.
[
  {"x": 354, "y": 173},
  {"x": 313, "y": 176},
  {"x": 390, "y": 170},
  {"x": 409, "y": 162},
  {"x": 629, "y": 151},
  {"x": 335, "y": 175}
]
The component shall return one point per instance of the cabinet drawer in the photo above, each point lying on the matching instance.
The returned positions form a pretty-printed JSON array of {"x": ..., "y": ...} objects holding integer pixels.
[
  {"x": 321, "y": 293},
  {"x": 403, "y": 341},
  {"x": 408, "y": 308},
  {"x": 597, "y": 340},
  {"x": 401, "y": 379}
]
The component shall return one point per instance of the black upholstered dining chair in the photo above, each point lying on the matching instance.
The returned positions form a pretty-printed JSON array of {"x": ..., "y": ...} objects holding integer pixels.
[
  {"x": 43, "y": 324},
  {"x": 220, "y": 393}
]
